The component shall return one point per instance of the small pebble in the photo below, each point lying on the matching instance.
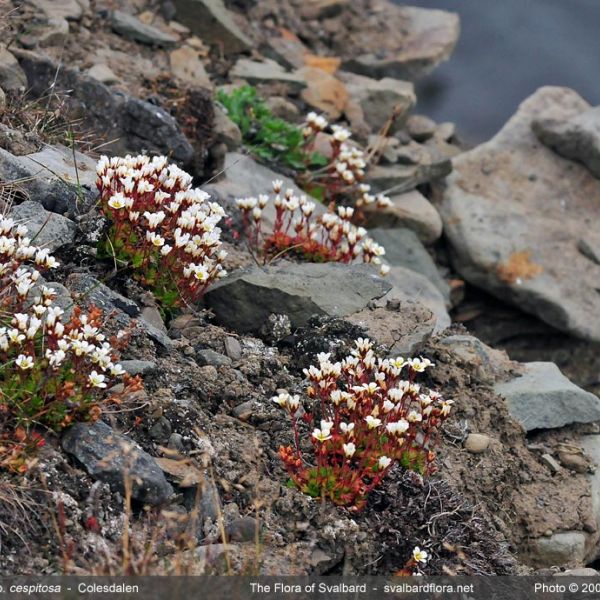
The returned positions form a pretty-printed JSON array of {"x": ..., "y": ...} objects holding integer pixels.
[{"x": 477, "y": 443}]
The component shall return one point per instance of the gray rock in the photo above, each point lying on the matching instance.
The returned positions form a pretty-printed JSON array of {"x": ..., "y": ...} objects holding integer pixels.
[
  {"x": 543, "y": 398},
  {"x": 404, "y": 249},
  {"x": 243, "y": 529},
  {"x": 210, "y": 357},
  {"x": 411, "y": 286},
  {"x": 420, "y": 128},
  {"x": 267, "y": 71},
  {"x": 71, "y": 10},
  {"x": 151, "y": 315},
  {"x": 580, "y": 572},
  {"x": 93, "y": 291},
  {"x": 161, "y": 430},
  {"x": 131, "y": 125},
  {"x": 226, "y": 131},
  {"x": 591, "y": 446},
  {"x": 428, "y": 38},
  {"x": 590, "y": 247},
  {"x": 53, "y": 32},
  {"x": 51, "y": 178},
  {"x": 233, "y": 348},
  {"x": 213, "y": 23},
  {"x": 44, "y": 228},
  {"x": 187, "y": 66},
  {"x": 12, "y": 76},
  {"x": 111, "y": 457},
  {"x": 566, "y": 547},
  {"x": 379, "y": 99},
  {"x": 103, "y": 73},
  {"x": 246, "y": 298},
  {"x": 403, "y": 327},
  {"x": 138, "y": 367},
  {"x": 132, "y": 28},
  {"x": 576, "y": 138},
  {"x": 396, "y": 179},
  {"x": 468, "y": 349},
  {"x": 411, "y": 210},
  {"x": 514, "y": 212}
]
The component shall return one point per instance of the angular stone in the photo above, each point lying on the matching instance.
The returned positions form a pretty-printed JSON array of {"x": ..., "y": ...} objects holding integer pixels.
[
  {"x": 403, "y": 328},
  {"x": 138, "y": 367},
  {"x": 133, "y": 29},
  {"x": 411, "y": 210},
  {"x": 113, "y": 457},
  {"x": 324, "y": 93},
  {"x": 103, "y": 73},
  {"x": 12, "y": 76},
  {"x": 379, "y": 99},
  {"x": 210, "y": 357},
  {"x": 131, "y": 125},
  {"x": 213, "y": 23},
  {"x": 576, "y": 138},
  {"x": 543, "y": 398},
  {"x": 267, "y": 71},
  {"x": 71, "y": 10},
  {"x": 187, "y": 66},
  {"x": 514, "y": 212},
  {"x": 404, "y": 249},
  {"x": 414, "y": 287},
  {"x": 55, "y": 177},
  {"x": 396, "y": 179},
  {"x": 246, "y": 298},
  {"x": 428, "y": 38},
  {"x": 226, "y": 131},
  {"x": 45, "y": 229},
  {"x": 53, "y": 32},
  {"x": 566, "y": 547}
]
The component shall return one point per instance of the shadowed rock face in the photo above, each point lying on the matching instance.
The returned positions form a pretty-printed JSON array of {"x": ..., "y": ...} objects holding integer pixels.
[
  {"x": 245, "y": 299},
  {"x": 514, "y": 212},
  {"x": 110, "y": 457}
]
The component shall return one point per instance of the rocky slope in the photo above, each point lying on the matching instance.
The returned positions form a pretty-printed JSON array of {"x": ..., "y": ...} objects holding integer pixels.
[{"x": 488, "y": 247}]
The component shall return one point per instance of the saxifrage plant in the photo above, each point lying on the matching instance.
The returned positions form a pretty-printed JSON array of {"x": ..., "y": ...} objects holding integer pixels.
[
  {"x": 160, "y": 226},
  {"x": 371, "y": 415},
  {"x": 53, "y": 370}
]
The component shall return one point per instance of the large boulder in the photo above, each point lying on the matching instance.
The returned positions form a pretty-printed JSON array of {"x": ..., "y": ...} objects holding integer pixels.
[
  {"x": 514, "y": 213},
  {"x": 425, "y": 38},
  {"x": 114, "y": 458},
  {"x": 541, "y": 397},
  {"x": 245, "y": 299}
]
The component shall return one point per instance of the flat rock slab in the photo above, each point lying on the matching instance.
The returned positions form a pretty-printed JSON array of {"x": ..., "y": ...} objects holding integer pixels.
[
  {"x": 214, "y": 24},
  {"x": 514, "y": 212},
  {"x": 62, "y": 182},
  {"x": 112, "y": 457},
  {"x": 245, "y": 299},
  {"x": 132, "y": 28},
  {"x": 543, "y": 398},
  {"x": 45, "y": 229},
  {"x": 577, "y": 138},
  {"x": 267, "y": 71}
]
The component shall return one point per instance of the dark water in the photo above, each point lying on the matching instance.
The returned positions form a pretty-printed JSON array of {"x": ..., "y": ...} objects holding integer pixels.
[{"x": 507, "y": 49}]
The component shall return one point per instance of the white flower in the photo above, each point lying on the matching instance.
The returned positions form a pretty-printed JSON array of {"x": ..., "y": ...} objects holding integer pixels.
[
  {"x": 384, "y": 462},
  {"x": 420, "y": 364},
  {"x": 321, "y": 436},
  {"x": 281, "y": 399},
  {"x": 155, "y": 239},
  {"x": 419, "y": 555},
  {"x": 372, "y": 421},
  {"x": 96, "y": 380},
  {"x": 117, "y": 370},
  {"x": 24, "y": 362},
  {"x": 347, "y": 428},
  {"x": 349, "y": 449},
  {"x": 117, "y": 201}
]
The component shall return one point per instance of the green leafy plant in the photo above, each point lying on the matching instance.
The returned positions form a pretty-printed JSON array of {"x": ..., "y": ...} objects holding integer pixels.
[
  {"x": 161, "y": 227},
  {"x": 271, "y": 138},
  {"x": 371, "y": 418}
]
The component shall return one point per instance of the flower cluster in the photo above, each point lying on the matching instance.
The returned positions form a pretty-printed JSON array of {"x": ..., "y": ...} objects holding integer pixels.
[
  {"x": 160, "y": 225},
  {"x": 52, "y": 369},
  {"x": 342, "y": 176},
  {"x": 324, "y": 238},
  {"x": 372, "y": 415}
]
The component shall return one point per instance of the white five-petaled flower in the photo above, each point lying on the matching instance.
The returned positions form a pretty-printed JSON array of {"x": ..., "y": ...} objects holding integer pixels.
[
  {"x": 372, "y": 421},
  {"x": 96, "y": 380},
  {"x": 420, "y": 556},
  {"x": 24, "y": 362},
  {"x": 321, "y": 435}
]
